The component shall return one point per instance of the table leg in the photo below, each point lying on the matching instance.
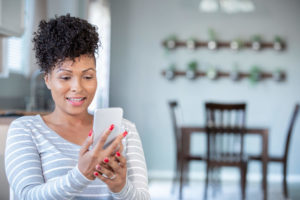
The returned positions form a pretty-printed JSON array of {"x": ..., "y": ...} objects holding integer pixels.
[
  {"x": 185, "y": 143},
  {"x": 265, "y": 163}
]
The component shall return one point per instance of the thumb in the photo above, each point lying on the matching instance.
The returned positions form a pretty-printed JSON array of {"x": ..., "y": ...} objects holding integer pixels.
[{"x": 87, "y": 143}]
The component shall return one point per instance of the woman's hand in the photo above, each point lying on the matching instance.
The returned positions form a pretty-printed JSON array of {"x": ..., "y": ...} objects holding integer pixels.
[
  {"x": 88, "y": 159},
  {"x": 112, "y": 171}
]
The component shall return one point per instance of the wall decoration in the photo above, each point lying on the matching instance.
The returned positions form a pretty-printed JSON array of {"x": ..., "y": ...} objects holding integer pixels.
[
  {"x": 256, "y": 43},
  {"x": 191, "y": 44},
  {"x": 212, "y": 73},
  {"x": 278, "y": 75},
  {"x": 278, "y": 43},
  {"x": 235, "y": 73},
  {"x": 255, "y": 75},
  {"x": 212, "y": 44},
  {"x": 236, "y": 44},
  {"x": 170, "y": 42},
  {"x": 170, "y": 72},
  {"x": 191, "y": 70}
]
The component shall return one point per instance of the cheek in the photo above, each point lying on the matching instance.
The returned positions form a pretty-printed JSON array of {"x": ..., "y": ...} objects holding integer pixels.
[
  {"x": 92, "y": 87},
  {"x": 59, "y": 89}
]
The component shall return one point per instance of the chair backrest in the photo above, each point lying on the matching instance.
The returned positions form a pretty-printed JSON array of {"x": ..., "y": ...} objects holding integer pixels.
[
  {"x": 175, "y": 118},
  {"x": 225, "y": 126},
  {"x": 290, "y": 130}
]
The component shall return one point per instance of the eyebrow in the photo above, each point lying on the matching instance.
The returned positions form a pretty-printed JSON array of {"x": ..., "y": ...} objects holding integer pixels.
[{"x": 61, "y": 69}]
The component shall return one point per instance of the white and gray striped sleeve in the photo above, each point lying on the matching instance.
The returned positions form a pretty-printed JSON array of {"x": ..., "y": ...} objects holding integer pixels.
[
  {"x": 24, "y": 169},
  {"x": 136, "y": 187}
]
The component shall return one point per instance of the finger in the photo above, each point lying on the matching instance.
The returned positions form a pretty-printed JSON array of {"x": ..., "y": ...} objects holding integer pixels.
[
  {"x": 122, "y": 160},
  {"x": 103, "y": 170},
  {"x": 118, "y": 152},
  {"x": 103, "y": 138},
  {"x": 114, "y": 145},
  {"x": 102, "y": 178},
  {"x": 114, "y": 164},
  {"x": 118, "y": 149},
  {"x": 87, "y": 143}
]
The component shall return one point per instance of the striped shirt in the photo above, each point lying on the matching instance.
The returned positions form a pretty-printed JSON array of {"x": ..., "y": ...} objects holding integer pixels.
[{"x": 40, "y": 164}]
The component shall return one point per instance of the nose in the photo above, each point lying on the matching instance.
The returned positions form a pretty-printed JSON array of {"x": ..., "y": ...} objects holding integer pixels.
[{"x": 76, "y": 85}]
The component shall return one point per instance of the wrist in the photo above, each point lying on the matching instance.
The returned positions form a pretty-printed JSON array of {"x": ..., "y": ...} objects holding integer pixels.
[
  {"x": 118, "y": 188},
  {"x": 89, "y": 176}
]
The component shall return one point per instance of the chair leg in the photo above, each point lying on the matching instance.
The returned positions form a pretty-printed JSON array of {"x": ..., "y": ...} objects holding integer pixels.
[
  {"x": 214, "y": 180},
  {"x": 206, "y": 182},
  {"x": 285, "y": 188},
  {"x": 176, "y": 177},
  {"x": 185, "y": 173},
  {"x": 181, "y": 178},
  {"x": 243, "y": 180}
]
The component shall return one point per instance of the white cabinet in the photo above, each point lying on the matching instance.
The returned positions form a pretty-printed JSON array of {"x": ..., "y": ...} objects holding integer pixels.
[{"x": 12, "y": 14}]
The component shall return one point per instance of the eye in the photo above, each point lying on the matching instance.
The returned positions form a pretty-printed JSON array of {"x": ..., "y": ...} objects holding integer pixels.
[
  {"x": 65, "y": 78},
  {"x": 88, "y": 77}
]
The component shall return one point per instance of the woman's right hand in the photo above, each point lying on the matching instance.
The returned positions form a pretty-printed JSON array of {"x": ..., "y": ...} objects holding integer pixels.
[{"x": 88, "y": 159}]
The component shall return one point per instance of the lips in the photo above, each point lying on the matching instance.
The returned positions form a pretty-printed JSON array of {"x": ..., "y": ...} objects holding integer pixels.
[{"x": 76, "y": 101}]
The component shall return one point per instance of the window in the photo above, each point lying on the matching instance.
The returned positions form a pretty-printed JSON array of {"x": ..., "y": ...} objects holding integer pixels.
[
  {"x": 16, "y": 50},
  {"x": 14, "y": 54}
]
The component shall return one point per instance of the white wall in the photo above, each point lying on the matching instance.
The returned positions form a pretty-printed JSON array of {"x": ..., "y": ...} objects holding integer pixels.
[
  {"x": 137, "y": 59},
  {"x": 77, "y": 8}
]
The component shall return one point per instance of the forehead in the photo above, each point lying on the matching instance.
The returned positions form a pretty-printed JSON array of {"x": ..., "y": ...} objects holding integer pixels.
[{"x": 78, "y": 64}]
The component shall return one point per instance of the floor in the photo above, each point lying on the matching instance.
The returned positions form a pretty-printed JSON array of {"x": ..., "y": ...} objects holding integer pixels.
[{"x": 161, "y": 190}]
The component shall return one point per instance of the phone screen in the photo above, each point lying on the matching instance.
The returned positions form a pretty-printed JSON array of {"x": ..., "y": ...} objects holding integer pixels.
[{"x": 103, "y": 118}]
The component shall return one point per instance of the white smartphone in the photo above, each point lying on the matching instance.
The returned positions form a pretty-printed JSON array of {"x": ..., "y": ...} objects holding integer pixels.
[{"x": 103, "y": 118}]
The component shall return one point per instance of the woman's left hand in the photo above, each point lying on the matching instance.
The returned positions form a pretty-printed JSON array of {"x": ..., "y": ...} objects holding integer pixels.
[{"x": 112, "y": 171}]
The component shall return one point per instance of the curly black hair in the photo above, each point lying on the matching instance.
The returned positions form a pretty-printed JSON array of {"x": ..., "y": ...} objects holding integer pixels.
[{"x": 61, "y": 38}]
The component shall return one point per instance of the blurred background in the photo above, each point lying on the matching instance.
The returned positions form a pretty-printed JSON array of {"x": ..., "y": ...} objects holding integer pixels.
[{"x": 142, "y": 65}]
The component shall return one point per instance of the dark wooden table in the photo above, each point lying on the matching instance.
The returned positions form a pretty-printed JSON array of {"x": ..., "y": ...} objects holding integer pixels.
[{"x": 263, "y": 132}]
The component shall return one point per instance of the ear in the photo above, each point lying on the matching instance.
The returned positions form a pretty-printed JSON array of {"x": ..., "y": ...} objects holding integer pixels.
[{"x": 47, "y": 81}]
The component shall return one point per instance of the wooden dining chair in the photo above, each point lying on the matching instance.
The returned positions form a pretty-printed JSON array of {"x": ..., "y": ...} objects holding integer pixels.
[
  {"x": 225, "y": 128},
  {"x": 284, "y": 158},
  {"x": 173, "y": 106},
  {"x": 182, "y": 160}
]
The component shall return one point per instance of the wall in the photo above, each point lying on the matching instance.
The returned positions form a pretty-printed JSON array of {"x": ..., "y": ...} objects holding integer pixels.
[
  {"x": 137, "y": 59},
  {"x": 77, "y": 8}
]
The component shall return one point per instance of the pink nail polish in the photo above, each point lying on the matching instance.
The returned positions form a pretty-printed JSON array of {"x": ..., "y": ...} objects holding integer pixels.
[
  {"x": 90, "y": 133},
  {"x": 125, "y": 133},
  {"x": 98, "y": 167},
  {"x": 111, "y": 127},
  {"x": 118, "y": 154},
  {"x": 96, "y": 174},
  {"x": 106, "y": 160}
]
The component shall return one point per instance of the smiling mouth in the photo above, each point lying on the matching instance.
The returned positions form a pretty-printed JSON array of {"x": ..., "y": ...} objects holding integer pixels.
[{"x": 76, "y": 101}]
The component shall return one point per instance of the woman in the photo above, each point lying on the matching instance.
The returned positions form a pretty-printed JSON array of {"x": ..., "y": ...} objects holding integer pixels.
[{"x": 50, "y": 156}]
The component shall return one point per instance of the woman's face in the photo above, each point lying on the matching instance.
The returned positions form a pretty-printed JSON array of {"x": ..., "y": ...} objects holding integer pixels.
[{"x": 73, "y": 84}]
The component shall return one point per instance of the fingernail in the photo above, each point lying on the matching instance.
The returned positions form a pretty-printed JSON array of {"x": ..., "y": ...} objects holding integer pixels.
[
  {"x": 111, "y": 127},
  {"x": 125, "y": 133},
  {"x": 90, "y": 133},
  {"x": 118, "y": 154},
  {"x": 96, "y": 174},
  {"x": 106, "y": 160},
  {"x": 98, "y": 167}
]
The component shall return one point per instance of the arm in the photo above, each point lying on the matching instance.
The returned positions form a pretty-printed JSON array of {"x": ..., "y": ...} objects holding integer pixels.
[
  {"x": 136, "y": 186},
  {"x": 24, "y": 169}
]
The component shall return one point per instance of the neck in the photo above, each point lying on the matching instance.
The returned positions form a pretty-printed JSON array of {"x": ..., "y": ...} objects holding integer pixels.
[{"x": 60, "y": 117}]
